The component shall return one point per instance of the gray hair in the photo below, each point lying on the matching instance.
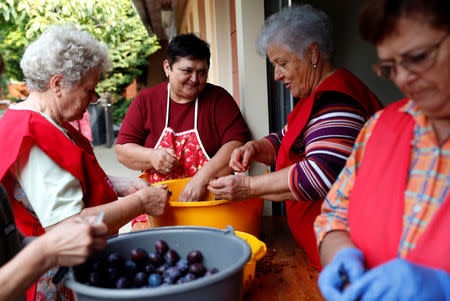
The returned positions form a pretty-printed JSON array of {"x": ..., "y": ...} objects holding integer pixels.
[
  {"x": 297, "y": 27},
  {"x": 63, "y": 49}
]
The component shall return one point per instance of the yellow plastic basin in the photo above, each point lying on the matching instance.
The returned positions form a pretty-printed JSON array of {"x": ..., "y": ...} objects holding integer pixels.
[
  {"x": 244, "y": 216},
  {"x": 259, "y": 249}
]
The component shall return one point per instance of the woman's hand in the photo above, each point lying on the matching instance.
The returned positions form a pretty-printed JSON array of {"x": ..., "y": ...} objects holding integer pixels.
[
  {"x": 399, "y": 279},
  {"x": 258, "y": 150},
  {"x": 346, "y": 267},
  {"x": 164, "y": 160},
  {"x": 232, "y": 188},
  {"x": 194, "y": 190},
  {"x": 154, "y": 199},
  {"x": 73, "y": 241},
  {"x": 125, "y": 186}
]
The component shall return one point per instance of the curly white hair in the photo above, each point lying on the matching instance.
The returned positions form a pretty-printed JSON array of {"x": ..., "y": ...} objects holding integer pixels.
[
  {"x": 297, "y": 27},
  {"x": 63, "y": 49}
]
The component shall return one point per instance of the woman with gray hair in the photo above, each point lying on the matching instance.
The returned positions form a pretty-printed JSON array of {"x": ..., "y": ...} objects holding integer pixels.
[
  {"x": 310, "y": 151},
  {"x": 48, "y": 168}
]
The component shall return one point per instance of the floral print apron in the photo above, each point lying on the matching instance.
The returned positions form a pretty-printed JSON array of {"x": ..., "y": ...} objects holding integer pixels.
[{"x": 188, "y": 148}]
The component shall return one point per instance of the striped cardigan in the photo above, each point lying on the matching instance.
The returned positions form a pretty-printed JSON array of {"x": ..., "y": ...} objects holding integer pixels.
[{"x": 324, "y": 145}]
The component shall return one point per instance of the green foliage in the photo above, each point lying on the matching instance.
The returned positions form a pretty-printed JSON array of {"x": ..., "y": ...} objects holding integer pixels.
[
  {"x": 112, "y": 21},
  {"x": 119, "y": 109}
]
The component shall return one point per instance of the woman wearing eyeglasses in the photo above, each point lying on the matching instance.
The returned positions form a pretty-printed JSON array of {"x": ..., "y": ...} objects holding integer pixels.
[{"x": 385, "y": 224}]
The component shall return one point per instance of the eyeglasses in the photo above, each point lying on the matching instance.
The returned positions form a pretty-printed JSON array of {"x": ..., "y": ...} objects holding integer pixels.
[{"x": 416, "y": 61}]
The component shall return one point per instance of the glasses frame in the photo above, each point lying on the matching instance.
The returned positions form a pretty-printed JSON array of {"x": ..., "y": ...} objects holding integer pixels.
[{"x": 405, "y": 63}]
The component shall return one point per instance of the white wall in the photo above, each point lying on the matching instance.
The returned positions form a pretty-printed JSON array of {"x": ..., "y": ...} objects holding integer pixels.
[
  {"x": 224, "y": 60},
  {"x": 252, "y": 69},
  {"x": 252, "y": 75}
]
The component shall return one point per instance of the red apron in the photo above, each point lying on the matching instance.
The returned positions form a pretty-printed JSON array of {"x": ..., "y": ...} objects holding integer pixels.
[
  {"x": 376, "y": 204},
  {"x": 18, "y": 126},
  {"x": 188, "y": 148},
  {"x": 302, "y": 214}
]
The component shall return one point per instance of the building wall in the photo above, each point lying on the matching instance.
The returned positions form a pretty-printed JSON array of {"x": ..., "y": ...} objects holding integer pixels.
[
  {"x": 198, "y": 17},
  {"x": 223, "y": 45},
  {"x": 351, "y": 51},
  {"x": 155, "y": 71}
]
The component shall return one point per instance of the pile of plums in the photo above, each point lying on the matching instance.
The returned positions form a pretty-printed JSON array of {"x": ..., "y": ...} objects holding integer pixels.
[{"x": 142, "y": 269}]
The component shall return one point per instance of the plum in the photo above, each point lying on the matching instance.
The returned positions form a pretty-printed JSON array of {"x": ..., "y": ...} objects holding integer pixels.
[
  {"x": 154, "y": 280},
  {"x": 122, "y": 282},
  {"x": 161, "y": 247},
  {"x": 160, "y": 270},
  {"x": 95, "y": 278},
  {"x": 210, "y": 272},
  {"x": 198, "y": 269},
  {"x": 171, "y": 257},
  {"x": 130, "y": 268},
  {"x": 116, "y": 260},
  {"x": 172, "y": 274},
  {"x": 149, "y": 268},
  {"x": 183, "y": 266},
  {"x": 156, "y": 259},
  {"x": 140, "y": 279},
  {"x": 113, "y": 275},
  {"x": 99, "y": 265},
  {"x": 138, "y": 255},
  {"x": 194, "y": 256},
  {"x": 189, "y": 277}
]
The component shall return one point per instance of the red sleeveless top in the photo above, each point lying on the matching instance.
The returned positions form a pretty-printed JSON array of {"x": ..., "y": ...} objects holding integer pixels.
[
  {"x": 17, "y": 126},
  {"x": 301, "y": 214},
  {"x": 376, "y": 204}
]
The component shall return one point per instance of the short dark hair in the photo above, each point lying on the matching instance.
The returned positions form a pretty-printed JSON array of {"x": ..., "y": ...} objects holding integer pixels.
[
  {"x": 187, "y": 46},
  {"x": 379, "y": 17}
]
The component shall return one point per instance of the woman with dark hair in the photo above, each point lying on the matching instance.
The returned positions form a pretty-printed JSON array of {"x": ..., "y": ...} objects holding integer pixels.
[
  {"x": 386, "y": 221},
  {"x": 310, "y": 151},
  {"x": 184, "y": 127}
]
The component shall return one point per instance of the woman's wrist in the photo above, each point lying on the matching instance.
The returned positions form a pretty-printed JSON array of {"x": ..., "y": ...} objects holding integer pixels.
[
  {"x": 41, "y": 247},
  {"x": 251, "y": 188},
  {"x": 268, "y": 149},
  {"x": 149, "y": 156}
]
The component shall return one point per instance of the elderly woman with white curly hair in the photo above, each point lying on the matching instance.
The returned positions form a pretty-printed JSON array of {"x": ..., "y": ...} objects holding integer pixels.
[
  {"x": 48, "y": 168},
  {"x": 310, "y": 151}
]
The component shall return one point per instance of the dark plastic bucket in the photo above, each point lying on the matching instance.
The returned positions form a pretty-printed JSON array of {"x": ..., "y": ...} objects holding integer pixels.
[{"x": 221, "y": 249}]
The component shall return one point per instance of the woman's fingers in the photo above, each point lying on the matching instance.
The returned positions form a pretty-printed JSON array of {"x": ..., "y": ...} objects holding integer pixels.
[
  {"x": 168, "y": 161},
  {"x": 236, "y": 160},
  {"x": 232, "y": 188}
]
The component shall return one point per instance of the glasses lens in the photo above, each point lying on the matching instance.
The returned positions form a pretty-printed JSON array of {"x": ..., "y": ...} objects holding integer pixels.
[
  {"x": 420, "y": 62},
  {"x": 384, "y": 70}
]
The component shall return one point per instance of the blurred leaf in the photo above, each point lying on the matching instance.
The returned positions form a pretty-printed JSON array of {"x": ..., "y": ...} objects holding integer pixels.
[{"x": 112, "y": 21}]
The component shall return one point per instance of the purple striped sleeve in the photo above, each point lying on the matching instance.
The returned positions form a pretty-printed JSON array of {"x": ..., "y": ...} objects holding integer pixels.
[
  {"x": 275, "y": 139},
  {"x": 324, "y": 147}
]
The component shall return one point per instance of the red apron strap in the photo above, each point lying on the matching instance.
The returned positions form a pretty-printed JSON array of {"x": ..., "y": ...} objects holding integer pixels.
[{"x": 297, "y": 120}]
